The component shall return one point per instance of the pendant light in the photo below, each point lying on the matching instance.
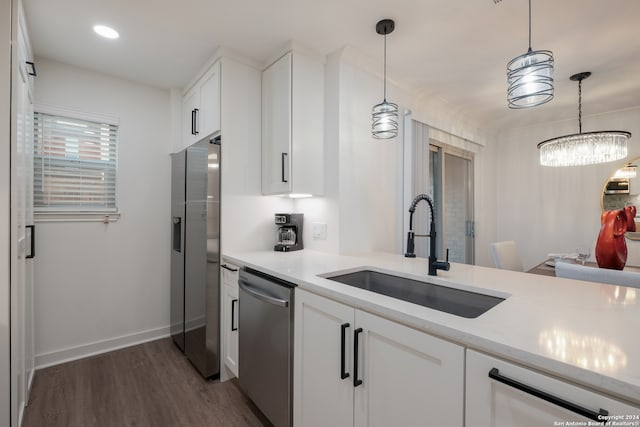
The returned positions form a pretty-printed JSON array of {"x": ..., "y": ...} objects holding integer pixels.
[
  {"x": 586, "y": 148},
  {"x": 530, "y": 77},
  {"x": 385, "y": 114}
]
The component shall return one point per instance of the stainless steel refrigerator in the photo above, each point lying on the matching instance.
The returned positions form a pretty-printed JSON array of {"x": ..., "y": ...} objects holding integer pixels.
[{"x": 195, "y": 255}]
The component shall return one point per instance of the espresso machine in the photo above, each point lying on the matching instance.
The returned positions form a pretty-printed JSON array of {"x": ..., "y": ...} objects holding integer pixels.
[{"x": 289, "y": 236}]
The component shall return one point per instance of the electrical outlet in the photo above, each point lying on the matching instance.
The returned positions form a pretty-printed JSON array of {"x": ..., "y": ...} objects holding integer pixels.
[{"x": 319, "y": 231}]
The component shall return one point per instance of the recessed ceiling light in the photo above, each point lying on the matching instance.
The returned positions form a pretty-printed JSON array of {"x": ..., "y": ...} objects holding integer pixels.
[{"x": 106, "y": 32}]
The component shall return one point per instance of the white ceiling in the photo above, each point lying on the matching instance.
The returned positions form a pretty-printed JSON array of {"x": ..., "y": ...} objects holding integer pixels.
[{"x": 456, "y": 50}]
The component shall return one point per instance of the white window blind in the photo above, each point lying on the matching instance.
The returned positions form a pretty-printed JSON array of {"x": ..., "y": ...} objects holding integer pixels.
[{"x": 75, "y": 165}]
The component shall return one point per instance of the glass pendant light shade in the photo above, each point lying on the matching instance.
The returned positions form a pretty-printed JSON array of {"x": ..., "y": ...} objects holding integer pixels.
[
  {"x": 385, "y": 120},
  {"x": 586, "y": 148},
  {"x": 530, "y": 78},
  {"x": 384, "y": 115}
]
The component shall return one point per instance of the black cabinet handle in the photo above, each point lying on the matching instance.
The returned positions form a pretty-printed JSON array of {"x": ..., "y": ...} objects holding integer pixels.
[
  {"x": 356, "y": 381},
  {"x": 195, "y": 121},
  {"x": 33, "y": 68},
  {"x": 596, "y": 416},
  {"x": 343, "y": 344},
  {"x": 32, "y": 252},
  {"x": 225, "y": 266},
  {"x": 233, "y": 314},
  {"x": 282, "y": 161}
]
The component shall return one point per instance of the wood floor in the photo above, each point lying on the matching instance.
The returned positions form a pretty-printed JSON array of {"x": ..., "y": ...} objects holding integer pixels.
[{"x": 149, "y": 385}]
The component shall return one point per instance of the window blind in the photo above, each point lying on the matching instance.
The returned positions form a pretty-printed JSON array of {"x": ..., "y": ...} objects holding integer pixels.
[{"x": 75, "y": 165}]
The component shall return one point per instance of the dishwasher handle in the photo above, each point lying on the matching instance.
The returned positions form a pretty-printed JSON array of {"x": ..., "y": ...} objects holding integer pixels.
[{"x": 255, "y": 292}]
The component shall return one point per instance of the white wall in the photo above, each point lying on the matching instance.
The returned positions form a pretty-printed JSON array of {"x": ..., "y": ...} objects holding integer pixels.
[
  {"x": 363, "y": 206},
  {"x": 102, "y": 286},
  {"x": 325, "y": 210},
  {"x": 555, "y": 209},
  {"x": 485, "y": 202},
  {"x": 247, "y": 216},
  {"x": 370, "y": 170}
]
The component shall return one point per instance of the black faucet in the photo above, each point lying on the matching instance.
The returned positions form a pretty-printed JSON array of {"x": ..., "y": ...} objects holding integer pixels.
[{"x": 434, "y": 264}]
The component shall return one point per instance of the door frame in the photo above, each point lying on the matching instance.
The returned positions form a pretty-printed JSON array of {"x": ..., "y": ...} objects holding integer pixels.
[{"x": 443, "y": 149}]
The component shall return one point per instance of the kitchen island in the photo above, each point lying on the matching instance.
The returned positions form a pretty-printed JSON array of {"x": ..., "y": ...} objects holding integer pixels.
[{"x": 578, "y": 332}]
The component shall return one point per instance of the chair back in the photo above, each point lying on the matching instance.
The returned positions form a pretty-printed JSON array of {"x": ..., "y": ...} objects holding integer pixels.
[
  {"x": 505, "y": 256},
  {"x": 600, "y": 275}
]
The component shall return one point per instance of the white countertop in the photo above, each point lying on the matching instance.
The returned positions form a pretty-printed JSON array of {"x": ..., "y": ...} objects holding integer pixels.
[{"x": 583, "y": 332}]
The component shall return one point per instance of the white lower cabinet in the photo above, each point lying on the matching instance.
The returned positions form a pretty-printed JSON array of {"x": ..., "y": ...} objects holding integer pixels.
[
  {"x": 517, "y": 396},
  {"x": 229, "y": 315},
  {"x": 355, "y": 368}
]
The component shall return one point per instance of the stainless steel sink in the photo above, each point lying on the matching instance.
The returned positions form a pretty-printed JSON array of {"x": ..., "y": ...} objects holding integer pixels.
[{"x": 450, "y": 300}]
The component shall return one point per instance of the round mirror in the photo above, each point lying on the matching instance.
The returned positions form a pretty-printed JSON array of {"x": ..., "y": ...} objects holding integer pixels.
[{"x": 622, "y": 189}]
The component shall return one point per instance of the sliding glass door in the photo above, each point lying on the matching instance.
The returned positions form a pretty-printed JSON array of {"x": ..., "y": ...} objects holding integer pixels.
[{"x": 451, "y": 180}]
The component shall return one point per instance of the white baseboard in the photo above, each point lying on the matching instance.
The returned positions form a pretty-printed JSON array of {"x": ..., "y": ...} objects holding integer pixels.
[
  {"x": 91, "y": 349},
  {"x": 32, "y": 374}
]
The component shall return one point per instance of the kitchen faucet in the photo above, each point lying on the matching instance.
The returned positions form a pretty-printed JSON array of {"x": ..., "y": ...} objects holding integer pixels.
[{"x": 434, "y": 264}]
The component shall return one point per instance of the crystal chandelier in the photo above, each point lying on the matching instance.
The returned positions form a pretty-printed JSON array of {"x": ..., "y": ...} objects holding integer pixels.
[
  {"x": 530, "y": 77},
  {"x": 586, "y": 148},
  {"x": 385, "y": 114}
]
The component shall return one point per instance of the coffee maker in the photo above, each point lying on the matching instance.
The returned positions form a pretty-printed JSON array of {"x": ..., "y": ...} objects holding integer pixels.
[{"x": 289, "y": 236}]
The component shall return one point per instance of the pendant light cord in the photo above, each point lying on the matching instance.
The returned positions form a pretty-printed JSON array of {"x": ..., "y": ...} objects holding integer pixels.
[
  {"x": 529, "y": 25},
  {"x": 385, "y": 68},
  {"x": 580, "y": 105}
]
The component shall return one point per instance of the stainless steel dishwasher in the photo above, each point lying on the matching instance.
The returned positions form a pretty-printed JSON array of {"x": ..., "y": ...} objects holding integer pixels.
[{"x": 265, "y": 328}]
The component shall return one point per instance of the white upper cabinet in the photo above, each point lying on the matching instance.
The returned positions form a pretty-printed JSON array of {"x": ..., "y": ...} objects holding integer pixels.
[
  {"x": 501, "y": 394},
  {"x": 293, "y": 125},
  {"x": 201, "y": 107}
]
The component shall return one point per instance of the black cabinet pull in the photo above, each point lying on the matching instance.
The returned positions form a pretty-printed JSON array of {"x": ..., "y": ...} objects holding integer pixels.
[
  {"x": 195, "y": 121},
  {"x": 356, "y": 381},
  {"x": 343, "y": 344},
  {"x": 596, "y": 416},
  {"x": 33, "y": 68},
  {"x": 233, "y": 314},
  {"x": 282, "y": 161},
  {"x": 225, "y": 266},
  {"x": 32, "y": 252}
]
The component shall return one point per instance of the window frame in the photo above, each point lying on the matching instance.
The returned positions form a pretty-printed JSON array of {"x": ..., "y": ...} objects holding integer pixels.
[{"x": 80, "y": 215}]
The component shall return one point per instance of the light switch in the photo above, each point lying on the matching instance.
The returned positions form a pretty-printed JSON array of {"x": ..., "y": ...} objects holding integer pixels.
[{"x": 319, "y": 231}]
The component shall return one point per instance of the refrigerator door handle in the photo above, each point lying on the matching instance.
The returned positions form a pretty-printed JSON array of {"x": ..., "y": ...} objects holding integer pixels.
[{"x": 177, "y": 234}]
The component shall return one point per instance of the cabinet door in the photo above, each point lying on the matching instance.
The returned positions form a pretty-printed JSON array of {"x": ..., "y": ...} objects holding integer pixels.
[
  {"x": 30, "y": 258},
  {"x": 209, "y": 114},
  {"x": 230, "y": 317},
  {"x": 323, "y": 377},
  {"x": 20, "y": 180},
  {"x": 408, "y": 378},
  {"x": 491, "y": 403},
  {"x": 276, "y": 127},
  {"x": 190, "y": 112}
]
